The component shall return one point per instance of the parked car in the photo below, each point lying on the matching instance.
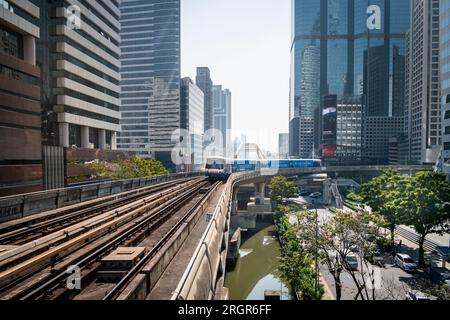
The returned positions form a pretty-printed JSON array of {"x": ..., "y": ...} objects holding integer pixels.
[
  {"x": 304, "y": 193},
  {"x": 418, "y": 295},
  {"x": 315, "y": 195},
  {"x": 351, "y": 262},
  {"x": 405, "y": 262},
  {"x": 439, "y": 275}
]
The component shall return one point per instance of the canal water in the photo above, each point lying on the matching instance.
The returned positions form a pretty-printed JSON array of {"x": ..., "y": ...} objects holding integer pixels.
[{"x": 254, "y": 270}]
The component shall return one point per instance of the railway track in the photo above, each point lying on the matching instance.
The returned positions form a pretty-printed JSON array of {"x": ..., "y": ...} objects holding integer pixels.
[
  {"x": 128, "y": 278},
  {"x": 27, "y": 231},
  {"x": 39, "y": 270}
]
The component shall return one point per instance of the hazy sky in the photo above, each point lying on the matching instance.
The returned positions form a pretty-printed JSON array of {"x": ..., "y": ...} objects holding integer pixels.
[{"x": 246, "y": 45}]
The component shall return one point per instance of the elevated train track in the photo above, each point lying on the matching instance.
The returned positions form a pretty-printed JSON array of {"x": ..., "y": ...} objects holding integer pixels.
[{"x": 38, "y": 268}]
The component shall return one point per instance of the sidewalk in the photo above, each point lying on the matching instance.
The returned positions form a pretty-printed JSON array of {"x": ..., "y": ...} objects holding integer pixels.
[{"x": 328, "y": 295}]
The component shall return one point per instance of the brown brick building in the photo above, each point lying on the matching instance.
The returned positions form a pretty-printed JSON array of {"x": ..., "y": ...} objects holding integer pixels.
[{"x": 20, "y": 108}]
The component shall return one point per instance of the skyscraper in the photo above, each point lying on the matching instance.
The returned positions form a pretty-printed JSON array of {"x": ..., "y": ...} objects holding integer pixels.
[
  {"x": 222, "y": 113},
  {"x": 423, "y": 113},
  {"x": 336, "y": 50},
  {"x": 80, "y": 66},
  {"x": 283, "y": 145},
  {"x": 445, "y": 82},
  {"x": 204, "y": 82},
  {"x": 20, "y": 110},
  {"x": 150, "y": 98},
  {"x": 192, "y": 104}
]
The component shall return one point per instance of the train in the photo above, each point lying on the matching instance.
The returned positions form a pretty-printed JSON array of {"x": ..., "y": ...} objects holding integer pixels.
[{"x": 219, "y": 168}]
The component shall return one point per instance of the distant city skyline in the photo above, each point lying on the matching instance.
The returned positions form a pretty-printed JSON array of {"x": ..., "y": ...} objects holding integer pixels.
[{"x": 236, "y": 40}]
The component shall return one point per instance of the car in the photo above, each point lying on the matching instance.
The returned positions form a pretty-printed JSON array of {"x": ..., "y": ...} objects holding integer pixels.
[
  {"x": 417, "y": 295},
  {"x": 315, "y": 195},
  {"x": 405, "y": 262},
  {"x": 304, "y": 193},
  {"x": 351, "y": 262}
]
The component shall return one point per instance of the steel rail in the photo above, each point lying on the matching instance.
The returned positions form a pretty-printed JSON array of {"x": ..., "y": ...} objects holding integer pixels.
[
  {"x": 123, "y": 283},
  {"x": 67, "y": 219},
  {"x": 34, "y": 292}
]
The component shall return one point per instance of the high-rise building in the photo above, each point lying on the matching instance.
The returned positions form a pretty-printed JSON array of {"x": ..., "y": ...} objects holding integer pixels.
[
  {"x": 204, "y": 82},
  {"x": 377, "y": 134},
  {"x": 342, "y": 129},
  {"x": 445, "y": 83},
  {"x": 192, "y": 113},
  {"x": 222, "y": 113},
  {"x": 283, "y": 146},
  {"x": 20, "y": 109},
  {"x": 150, "y": 98},
  {"x": 78, "y": 53},
  {"x": 423, "y": 112},
  {"x": 340, "y": 49}
]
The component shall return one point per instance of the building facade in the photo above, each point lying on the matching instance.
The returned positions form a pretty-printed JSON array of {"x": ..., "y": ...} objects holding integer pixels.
[
  {"x": 345, "y": 48},
  {"x": 222, "y": 113},
  {"x": 192, "y": 113},
  {"x": 283, "y": 146},
  {"x": 377, "y": 132},
  {"x": 423, "y": 94},
  {"x": 342, "y": 129},
  {"x": 20, "y": 109},
  {"x": 445, "y": 83},
  {"x": 150, "y": 84},
  {"x": 204, "y": 82},
  {"x": 78, "y": 53}
]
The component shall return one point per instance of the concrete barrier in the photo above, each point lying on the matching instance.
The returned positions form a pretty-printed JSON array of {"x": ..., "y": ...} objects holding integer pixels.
[
  {"x": 15, "y": 207},
  {"x": 201, "y": 279}
]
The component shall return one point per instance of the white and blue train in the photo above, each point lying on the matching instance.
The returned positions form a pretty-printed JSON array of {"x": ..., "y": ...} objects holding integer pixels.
[{"x": 219, "y": 168}]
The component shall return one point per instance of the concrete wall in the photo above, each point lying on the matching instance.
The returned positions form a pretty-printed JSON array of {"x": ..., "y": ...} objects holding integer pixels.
[{"x": 15, "y": 207}]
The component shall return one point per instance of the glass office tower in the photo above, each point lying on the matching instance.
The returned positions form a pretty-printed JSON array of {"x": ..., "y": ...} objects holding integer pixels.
[
  {"x": 445, "y": 83},
  {"x": 150, "y": 99},
  {"x": 334, "y": 52}
]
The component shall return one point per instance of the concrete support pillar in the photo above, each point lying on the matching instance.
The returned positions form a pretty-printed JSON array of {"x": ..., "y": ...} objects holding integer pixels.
[
  {"x": 85, "y": 137},
  {"x": 63, "y": 134},
  {"x": 260, "y": 189},
  {"x": 29, "y": 49},
  {"x": 101, "y": 139},
  {"x": 234, "y": 203},
  {"x": 113, "y": 140}
]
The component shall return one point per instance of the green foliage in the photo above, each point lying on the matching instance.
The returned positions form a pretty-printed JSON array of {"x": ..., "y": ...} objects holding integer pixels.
[
  {"x": 426, "y": 205},
  {"x": 280, "y": 188},
  {"x": 100, "y": 170},
  {"x": 297, "y": 270},
  {"x": 134, "y": 168},
  {"x": 355, "y": 197},
  {"x": 384, "y": 195},
  {"x": 296, "y": 264},
  {"x": 138, "y": 167},
  {"x": 422, "y": 201}
]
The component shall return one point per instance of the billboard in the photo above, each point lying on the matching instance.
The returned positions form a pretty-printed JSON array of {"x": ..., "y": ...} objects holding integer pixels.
[
  {"x": 329, "y": 118},
  {"x": 328, "y": 151}
]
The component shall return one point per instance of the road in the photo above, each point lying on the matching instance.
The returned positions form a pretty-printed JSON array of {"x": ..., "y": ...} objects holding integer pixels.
[{"x": 392, "y": 282}]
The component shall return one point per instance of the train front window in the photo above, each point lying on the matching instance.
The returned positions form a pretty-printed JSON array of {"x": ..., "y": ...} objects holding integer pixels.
[{"x": 215, "y": 165}]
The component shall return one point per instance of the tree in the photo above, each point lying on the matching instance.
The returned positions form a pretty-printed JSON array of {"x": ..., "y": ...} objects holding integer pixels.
[
  {"x": 280, "y": 188},
  {"x": 296, "y": 264},
  {"x": 384, "y": 194},
  {"x": 426, "y": 203},
  {"x": 334, "y": 240},
  {"x": 296, "y": 269},
  {"x": 136, "y": 167}
]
